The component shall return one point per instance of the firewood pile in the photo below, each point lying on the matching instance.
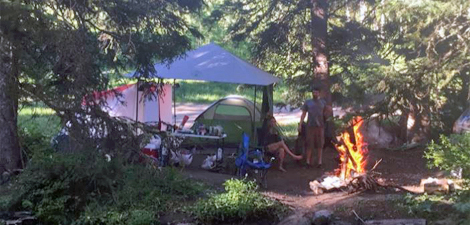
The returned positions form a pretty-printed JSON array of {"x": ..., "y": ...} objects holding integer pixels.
[{"x": 358, "y": 183}]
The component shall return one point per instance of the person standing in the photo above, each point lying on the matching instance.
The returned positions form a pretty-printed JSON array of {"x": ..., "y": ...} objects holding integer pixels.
[{"x": 315, "y": 109}]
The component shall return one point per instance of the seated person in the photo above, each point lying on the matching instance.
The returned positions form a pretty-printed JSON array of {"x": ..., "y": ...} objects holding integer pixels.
[{"x": 273, "y": 143}]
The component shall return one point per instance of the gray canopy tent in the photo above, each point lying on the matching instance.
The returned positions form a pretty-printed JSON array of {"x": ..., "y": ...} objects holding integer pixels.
[{"x": 213, "y": 63}]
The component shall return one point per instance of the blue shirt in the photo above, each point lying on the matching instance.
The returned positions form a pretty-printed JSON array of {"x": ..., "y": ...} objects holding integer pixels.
[{"x": 315, "y": 109}]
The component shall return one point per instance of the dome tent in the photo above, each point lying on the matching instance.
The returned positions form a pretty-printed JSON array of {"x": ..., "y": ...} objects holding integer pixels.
[{"x": 234, "y": 113}]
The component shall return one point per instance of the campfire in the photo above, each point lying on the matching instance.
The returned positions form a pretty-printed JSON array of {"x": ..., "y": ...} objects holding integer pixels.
[
  {"x": 353, "y": 151},
  {"x": 351, "y": 173}
]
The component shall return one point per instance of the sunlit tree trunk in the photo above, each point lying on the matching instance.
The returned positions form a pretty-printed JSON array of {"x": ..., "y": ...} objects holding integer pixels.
[
  {"x": 9, "y": 145},
  {"x": 319, "y": 17},
  {"x": 403, "y": 126},
  {"x": 465, "y": 93},
  {"x": 420, "y": 129}
]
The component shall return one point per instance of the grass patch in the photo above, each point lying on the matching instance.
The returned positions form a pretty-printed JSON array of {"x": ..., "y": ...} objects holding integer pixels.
[
  {"x": 241, "y": 202},
  {"x": 36, "y": 127},
  {"x": 39, "y": 119},
  {"x": 289, "y": 130}
]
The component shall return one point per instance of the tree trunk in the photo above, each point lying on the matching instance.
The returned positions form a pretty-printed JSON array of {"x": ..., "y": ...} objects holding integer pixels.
[
  {"x": 403, "y": 126},
  {"x": 319, "y": 30},
  {"x": 420, "y": 131},
  {"x": 10, "y": 157},
  {"x": 465, "y": 93}
]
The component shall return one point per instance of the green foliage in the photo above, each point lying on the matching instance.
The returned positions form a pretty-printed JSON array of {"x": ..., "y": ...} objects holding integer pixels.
[
  {"x": 239, "y": 203},
  {"x": 86, "y": 189},
  {"x": 437, "y": 207},
  {"x": 450, "y": 153},
  {"x": 412, "y": 54}
]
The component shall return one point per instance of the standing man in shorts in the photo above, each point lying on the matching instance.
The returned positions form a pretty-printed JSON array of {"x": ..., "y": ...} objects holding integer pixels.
[{"x": 315, "y": 128}]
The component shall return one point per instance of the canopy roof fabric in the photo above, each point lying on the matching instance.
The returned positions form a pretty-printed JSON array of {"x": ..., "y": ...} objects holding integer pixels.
[{"x": 213, "y": 63}]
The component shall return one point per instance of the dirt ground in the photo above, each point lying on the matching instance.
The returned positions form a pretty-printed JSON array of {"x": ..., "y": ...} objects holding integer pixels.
[{"x": 404, "y": 168}]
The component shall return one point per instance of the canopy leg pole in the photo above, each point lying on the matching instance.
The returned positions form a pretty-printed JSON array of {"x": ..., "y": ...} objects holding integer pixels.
[
  {"x": 137, "y": 104},
  {"x": 174, "y": 100},
  {"x": 254, "y": 117}
]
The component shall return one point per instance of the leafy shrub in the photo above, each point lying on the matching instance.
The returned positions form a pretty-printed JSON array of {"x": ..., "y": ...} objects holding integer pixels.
[
  {"x": 455, "y": 206},
  {"x": 450, "y": 153},
  {"x": 87, "y": 189},
  {"x": 240, "y": 202}
]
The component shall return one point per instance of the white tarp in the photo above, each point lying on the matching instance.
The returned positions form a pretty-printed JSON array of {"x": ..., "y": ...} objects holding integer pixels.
[
  {"x": 213, "y": 63},
  {"x": 148, "y": 110}
]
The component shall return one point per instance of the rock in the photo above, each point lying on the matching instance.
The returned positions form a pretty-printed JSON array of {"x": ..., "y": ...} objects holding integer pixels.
[
  {"x": 322, "y": 217},
  {"x": 340, "y": 223},
  {"x": 435, "y": 185},
  {"x": 5, "y": 177},
  {"x": 298, "y": 219},
  {"x": 396, "y": 221},
  {"x": 13, "y": 222},
  {"x": 445, "y": 222},
  {"x": 20, "y": 214}
]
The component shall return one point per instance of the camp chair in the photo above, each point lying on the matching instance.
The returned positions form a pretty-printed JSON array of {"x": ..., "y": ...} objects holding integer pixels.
[{"x": 251, "y": 162}]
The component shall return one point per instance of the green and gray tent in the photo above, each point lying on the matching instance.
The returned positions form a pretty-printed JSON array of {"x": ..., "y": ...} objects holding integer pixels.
[{"x": 234, "y": 113}]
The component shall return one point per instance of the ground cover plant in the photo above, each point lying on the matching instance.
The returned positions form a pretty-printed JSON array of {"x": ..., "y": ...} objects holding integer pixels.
[
  {"x": 86, "y": 188},
  {"x": 240, "y": 202}
]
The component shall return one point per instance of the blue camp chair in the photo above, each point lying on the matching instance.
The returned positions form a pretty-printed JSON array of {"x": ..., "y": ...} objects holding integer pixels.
[{"x": 251, "y": 162}]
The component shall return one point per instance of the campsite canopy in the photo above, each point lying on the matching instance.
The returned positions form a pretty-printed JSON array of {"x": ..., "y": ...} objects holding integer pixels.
[{"x": 212, "y": 63}]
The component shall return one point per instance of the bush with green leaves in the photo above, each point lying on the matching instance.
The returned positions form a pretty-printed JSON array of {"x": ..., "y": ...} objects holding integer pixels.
[
  {"x": 450, "y": 153},
  {"x": 241, "y": 202},
  {"x": 455, "y": 206},
  {"x": 86, "y": 189}
]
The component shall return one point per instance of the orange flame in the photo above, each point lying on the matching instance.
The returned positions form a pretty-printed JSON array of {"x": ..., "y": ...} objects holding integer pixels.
[{"x": 353, "y": 156}]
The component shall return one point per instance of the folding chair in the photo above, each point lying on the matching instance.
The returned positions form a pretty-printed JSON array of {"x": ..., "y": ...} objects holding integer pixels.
[{"x": 251, "y": 162}]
